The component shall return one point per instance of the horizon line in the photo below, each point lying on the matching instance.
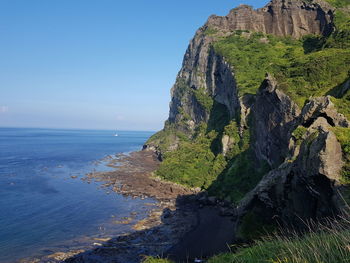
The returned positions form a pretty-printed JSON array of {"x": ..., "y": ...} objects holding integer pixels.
[{"x": 87, "y": 129}]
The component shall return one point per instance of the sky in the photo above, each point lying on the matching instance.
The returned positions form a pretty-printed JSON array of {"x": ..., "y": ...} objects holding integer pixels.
[{"x": 95, "y": 64}]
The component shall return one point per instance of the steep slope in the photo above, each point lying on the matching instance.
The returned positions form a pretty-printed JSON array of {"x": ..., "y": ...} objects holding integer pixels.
[
  {"x": 258, "y": 114},
  {"x": 206, "y": 73}
]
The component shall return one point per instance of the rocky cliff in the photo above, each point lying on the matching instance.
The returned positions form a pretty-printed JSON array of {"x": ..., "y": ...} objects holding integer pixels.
[
  {"x": 262, "y": 103},
  {"x": 308, "y": 184},
  {"x": 204, "y": 69},
  {"x": 207, "y": 72},
  {"x": 282, "y": 18}
]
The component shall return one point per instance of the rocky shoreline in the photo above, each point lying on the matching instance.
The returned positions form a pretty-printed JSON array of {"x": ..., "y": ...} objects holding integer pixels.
[
  {"x": 179, "y": 214},
  {"x": 167, "y": 221},
  {"x": 183, "y": 226}
]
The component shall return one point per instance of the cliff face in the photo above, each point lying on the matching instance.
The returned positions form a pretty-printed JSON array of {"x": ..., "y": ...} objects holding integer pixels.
[
  {"x": 207, "y": 71},
  {"x": 266, "y": 130},
  {"x": 281, "y": 18},
  {"x": 203, "y": 69}
]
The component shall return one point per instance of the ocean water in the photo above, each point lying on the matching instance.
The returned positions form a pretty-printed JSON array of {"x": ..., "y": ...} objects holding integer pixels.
[{"x": 42, "y": 208}]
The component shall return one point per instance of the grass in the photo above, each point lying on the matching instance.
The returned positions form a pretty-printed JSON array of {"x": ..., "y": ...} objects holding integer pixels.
[
  {"x": 155, "y": 260},
  {"x": 343, "y": 136},
  {"x": 327, "y": 243},
  {"x": 253, "y": 227},
  {"x": 339, "y": 3},
  {"x": 343, "y": 104},
  {"x": 303, "y": 67},
  {"x": 299, "y": 133},
  {"x": 325, "y": 247}
]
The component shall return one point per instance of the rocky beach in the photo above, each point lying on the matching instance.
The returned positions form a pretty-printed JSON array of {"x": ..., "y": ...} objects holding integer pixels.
[{"x": 178, "y": 214}]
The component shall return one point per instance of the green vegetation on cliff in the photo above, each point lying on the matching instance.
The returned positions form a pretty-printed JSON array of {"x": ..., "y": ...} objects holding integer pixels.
[
  {"x": 254, "y": 54},
  {"x": 311, "y": 66},
  {"x": 155, "y": 260},
  {"x": 166, "y": 137},
  {"x": 300, "y": 73},
  {"x": 235, "y": 147},
  {"x": 343, "y": 136},
  {"x": 203, "y": 99},
  {"x": 299, "y": 133},
  {"x": 341, "y": 101},
  {"x": 193, "y": 163},
  {"x": 339, "y": 3},
  {"x": 242, "y": 172},
  {"x": 239, "y": 177}
]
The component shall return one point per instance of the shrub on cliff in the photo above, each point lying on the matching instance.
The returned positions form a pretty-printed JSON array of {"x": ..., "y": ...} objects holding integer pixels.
[{"x": 193, "y": 163}]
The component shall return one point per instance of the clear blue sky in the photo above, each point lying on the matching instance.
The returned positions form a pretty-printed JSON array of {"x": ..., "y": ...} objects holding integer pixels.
[{"x": 100, "y": 64}]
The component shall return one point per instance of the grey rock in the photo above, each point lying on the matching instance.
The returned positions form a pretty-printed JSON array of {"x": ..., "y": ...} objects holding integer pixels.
[
  {"x": 274, "y": 117},
  {"x": 283, "y": 18},
  {"x": 301, "y": 190},
  {"x": 322, "y": 106},
  {"x": 227, "y": 143},
  {"x": 167, "y": 213},
  {"x": 212, "y": 200},
  {"x": 224, "y": 211}
]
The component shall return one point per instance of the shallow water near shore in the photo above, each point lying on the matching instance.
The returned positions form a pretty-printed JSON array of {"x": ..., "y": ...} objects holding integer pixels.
[{"x": 44, "y": 203}]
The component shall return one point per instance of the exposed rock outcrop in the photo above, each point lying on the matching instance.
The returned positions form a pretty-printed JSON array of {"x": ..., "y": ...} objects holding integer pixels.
[
  {"x": 274, "y": 118},
  {"x": 202, "y": 69},
  {"x": 323, "y": 106},
  {"x": 227, "y": 143},
  {"x": 282, "y": 18},
  {"x": 219, "y": 76},
  {"x": 300, "y": 190}
]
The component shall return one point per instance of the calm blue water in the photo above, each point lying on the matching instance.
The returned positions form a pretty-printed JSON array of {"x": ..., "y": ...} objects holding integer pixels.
[{"x": 41, "y": 206}]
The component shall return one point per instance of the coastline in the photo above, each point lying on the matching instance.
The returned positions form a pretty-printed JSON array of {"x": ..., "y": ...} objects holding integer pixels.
[
  {"x": 132, "y": 177},
  {"x": 172, "y": 226},
  {"x": 174, "y": 216}
]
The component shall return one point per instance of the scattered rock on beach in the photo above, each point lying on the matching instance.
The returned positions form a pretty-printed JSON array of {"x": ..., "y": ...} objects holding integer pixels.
[{"x": 60, "y": 256}]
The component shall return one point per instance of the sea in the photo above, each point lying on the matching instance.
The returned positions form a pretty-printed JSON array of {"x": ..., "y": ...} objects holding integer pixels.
[{"x": 46, "y": 205}]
